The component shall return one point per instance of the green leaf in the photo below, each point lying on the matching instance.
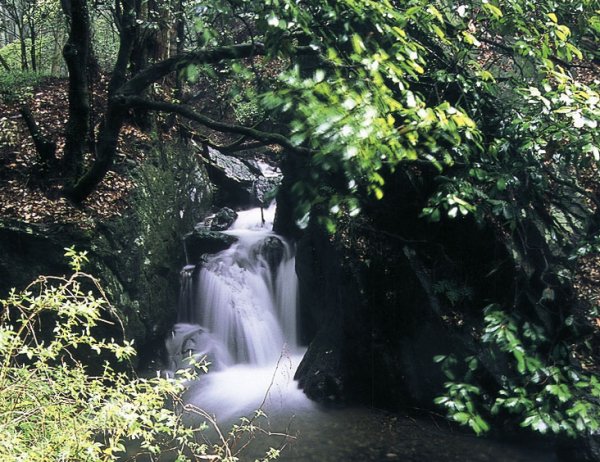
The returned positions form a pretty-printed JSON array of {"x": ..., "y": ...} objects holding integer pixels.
[
  {"x": 493, "y": 10},
  {"x": 461, "y": 417}
]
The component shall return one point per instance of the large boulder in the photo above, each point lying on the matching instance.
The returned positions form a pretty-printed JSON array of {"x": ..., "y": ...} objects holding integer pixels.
[
  {"x": 373, "y": 339},
  {"x": 241, "y": 180},
  {"x": 189, "y": 343},
  {"x": 201, "y": 241},
  {"x": 28, "y": 250},
  {"x": 272, "y": 249},
  {"x": 223, "y": 219},
  {"x": 264, "y": 189},
  {"x": 233, "y": 178}
]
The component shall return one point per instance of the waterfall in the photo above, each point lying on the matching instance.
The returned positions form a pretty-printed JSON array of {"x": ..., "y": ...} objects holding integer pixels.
[{"x": 238, "y": 309}]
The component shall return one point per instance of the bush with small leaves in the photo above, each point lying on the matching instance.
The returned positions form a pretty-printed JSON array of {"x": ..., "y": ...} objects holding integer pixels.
[{"x": 53, "y": 409}]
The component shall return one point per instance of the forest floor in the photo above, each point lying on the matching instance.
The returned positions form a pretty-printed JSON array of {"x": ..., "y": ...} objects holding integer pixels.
[{"x": 31, "y": 192}]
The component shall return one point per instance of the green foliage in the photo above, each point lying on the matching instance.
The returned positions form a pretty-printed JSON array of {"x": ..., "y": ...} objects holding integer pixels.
[
  {"x": 537, "y": 117},
  {"x": 542, "y": 387},
  {"x": 490, "y": 107},
  {"x": 17, "y": 86},
  {"x": 12, "y": 55},
  {"x": 105, "y": 39},
  {"x": 52, "y": 408},
  {"x": 487, "y": 93},
  {"x": 173, "y": 192},
  {"x": 246, "y": 108},
  {"x": 454, "y": 292},
  {"x": 39, "y": 22},
  {"x": 361, "y": 110},
  {"x": 518, "y": 79}
]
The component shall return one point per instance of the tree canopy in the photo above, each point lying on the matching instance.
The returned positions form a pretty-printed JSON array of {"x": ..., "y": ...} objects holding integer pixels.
[{"x": 361, "y": 85}]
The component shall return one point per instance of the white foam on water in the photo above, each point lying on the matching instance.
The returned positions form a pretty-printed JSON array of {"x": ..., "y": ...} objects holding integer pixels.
[{"x": 243, "y": 317}]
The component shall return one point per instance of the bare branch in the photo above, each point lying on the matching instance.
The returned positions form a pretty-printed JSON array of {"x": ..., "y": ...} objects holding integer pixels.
[
  {"x": 152, "y": 74},
  {"x": 188, "y": 112}
]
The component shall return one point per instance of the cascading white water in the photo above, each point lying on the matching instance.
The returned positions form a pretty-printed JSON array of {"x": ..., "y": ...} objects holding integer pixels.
[{"x": 239, "y": 310}]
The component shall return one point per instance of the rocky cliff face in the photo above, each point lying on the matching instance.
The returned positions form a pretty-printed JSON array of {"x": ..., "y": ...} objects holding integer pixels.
[
  {"x": 137, "y": 256},
  {"x": 368, "y": 300},
  {"x": 389, "y": 291}
]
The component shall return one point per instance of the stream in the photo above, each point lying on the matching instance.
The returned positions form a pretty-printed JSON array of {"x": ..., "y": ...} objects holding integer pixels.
[{"x": 239, "y": 311}]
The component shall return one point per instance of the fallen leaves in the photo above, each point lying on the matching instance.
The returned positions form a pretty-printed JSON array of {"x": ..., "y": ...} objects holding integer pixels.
[{"x": 34, "y": 195}]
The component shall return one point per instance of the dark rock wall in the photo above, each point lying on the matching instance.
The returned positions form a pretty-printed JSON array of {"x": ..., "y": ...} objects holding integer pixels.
[
  {"x": 137, "y": 257},
  {"x": 27, "y": 251},
  {"x": 386, "y": 293},
  {"x": 372, "y": 320}
]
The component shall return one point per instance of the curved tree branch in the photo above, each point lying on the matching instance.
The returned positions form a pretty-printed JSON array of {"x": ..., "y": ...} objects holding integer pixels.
[
  {"x": 143, "y": 79},
  {"x": 188, "y": 112}
]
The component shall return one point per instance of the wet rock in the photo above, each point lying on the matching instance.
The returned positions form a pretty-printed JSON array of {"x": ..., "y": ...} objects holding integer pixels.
[
  {"x": 272, "y": 249},
  {"x": 223, "y": 219},
  {"x": 375, "y": 337},
  {"x": 320, "y": 374},
  {"x": 264, "y": 190},
  {"x": 189, "y": 343},
  {"x": 233, "y": 178},
  {"x": 234, "y": 169},
  {"x": 200, "y": 242},
  {"x": 585, "y": 449},
  {"x": 29, "y": 250},
  {"x": 241, "y": 182}
]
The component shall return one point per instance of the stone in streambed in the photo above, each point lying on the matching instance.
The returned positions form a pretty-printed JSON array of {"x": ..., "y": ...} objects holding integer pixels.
[
  {"x": 223, "y": 219},
  {"x": 200, "y": 242}
]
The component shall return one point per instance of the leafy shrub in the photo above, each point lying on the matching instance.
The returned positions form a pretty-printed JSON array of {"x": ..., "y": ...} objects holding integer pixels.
[
  {"x": 53, "y": 409},
  {"x": 18, "y": 85},
  {"x": 12, "y": 54},
  {"x": 543, "y": 386}
]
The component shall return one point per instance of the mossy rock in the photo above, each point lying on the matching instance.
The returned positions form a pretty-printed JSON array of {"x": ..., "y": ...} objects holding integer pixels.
[{"x": 137, "y": 257}]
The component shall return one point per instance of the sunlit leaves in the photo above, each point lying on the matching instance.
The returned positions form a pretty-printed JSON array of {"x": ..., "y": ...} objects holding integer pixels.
[
  {"x": 358, "y": 111},
  {"x": 53, "y": 408}
]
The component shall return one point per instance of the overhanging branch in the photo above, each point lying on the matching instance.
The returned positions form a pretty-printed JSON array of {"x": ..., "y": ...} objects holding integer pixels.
[
  {"x": 152, "y": 74},
  {"x": 238, "y": 145},
  {"x": 189, "y": 113}
]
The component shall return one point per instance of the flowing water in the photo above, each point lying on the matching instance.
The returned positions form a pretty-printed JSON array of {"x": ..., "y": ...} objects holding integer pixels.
[{"x": 239, "y": 310}]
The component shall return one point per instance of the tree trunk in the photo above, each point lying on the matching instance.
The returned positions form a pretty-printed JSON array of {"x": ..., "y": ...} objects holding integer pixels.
[
  {"x": 33, "y": 36},
  {"x": 177, "y": 46},
  {"x": 159, "y": 40},
  {"x": 22, "y": 43},
  {"x": 45, "y": 148},
  {"x": 76, "y": 54},
  {"x": 115, "y": 114},
  {"x": 105, "y": 153},
  {"x": 4, "y": 64},
  {"x": 140, "y": 57}
]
